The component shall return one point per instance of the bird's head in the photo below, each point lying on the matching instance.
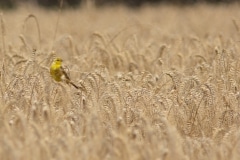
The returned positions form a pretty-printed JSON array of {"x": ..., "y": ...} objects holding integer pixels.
[{"x": 58, "y": 61}]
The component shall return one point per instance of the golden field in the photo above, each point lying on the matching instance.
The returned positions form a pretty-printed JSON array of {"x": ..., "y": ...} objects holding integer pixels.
[{"x": 162, "y": 83}]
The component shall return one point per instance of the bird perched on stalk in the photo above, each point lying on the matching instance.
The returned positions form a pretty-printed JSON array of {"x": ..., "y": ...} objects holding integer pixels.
[{"x": 59, "y": 74}]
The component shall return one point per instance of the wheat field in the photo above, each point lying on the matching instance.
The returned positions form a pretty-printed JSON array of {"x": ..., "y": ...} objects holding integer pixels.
[{"x": 162, "y": 83}]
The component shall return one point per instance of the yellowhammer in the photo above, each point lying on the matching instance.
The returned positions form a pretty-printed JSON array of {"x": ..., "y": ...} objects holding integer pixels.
[{"x": 58, "y": 74}]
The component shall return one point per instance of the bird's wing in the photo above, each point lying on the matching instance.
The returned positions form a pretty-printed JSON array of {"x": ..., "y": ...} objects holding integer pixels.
[{"x": 65, "y": 74}]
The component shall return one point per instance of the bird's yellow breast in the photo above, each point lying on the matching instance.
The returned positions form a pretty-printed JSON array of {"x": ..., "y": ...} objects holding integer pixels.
[{"x": 55, "y": 71}]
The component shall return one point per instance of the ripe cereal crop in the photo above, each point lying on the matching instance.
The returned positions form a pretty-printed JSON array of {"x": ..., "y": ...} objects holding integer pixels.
[{"x": 161, "y": 83}]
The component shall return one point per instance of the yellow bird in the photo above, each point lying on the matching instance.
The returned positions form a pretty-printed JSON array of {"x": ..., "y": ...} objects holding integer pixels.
[{"x": 58, "y": 74}]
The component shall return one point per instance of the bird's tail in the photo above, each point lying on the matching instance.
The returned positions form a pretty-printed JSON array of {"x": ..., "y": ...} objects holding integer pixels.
[{"x": 78, "y": 87}]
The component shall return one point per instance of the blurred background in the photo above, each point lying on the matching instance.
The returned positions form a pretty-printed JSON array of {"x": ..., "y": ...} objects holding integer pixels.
[{"x": 7, "y": 4}]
